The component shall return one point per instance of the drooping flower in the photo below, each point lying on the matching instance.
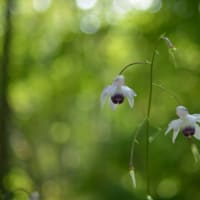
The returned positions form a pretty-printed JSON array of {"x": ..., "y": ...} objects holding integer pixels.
[
  {"x": 187, "y": 124},
  {"x": 117, "y": 93}
]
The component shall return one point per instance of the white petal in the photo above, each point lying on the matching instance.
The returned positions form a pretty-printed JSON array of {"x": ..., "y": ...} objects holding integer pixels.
[
  {"x": 129, "y": 93},
  {"x": 168, "y": 129},
  {"x": 131, "y": 101},
  {"x": 119, "y": 81},
  {"x": 106, "y": 92},
  {"x": 197, "y": 116},
  {"x": 112, "y": 105},
  {"x": 174, "y": 124},
  {"x": 182, "y": 111},
  {"x": 197, "y": 132},
  {"x": 175, "y": 134},
  {"x": 190, "y": 119}
]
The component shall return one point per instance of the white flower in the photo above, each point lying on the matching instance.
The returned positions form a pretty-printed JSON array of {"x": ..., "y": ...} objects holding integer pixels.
[
  {"x": 187, "y": 124},
  {"x": 117, "y": 92}
]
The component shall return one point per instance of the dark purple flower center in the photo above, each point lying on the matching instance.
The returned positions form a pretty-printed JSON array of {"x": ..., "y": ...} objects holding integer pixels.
[
  {"x": 188, "y": 131},
  {"x": 117, "y": 98}
]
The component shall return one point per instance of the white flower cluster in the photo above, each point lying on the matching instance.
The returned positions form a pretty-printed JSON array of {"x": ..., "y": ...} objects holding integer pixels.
[{"x": 187, "y": 123}]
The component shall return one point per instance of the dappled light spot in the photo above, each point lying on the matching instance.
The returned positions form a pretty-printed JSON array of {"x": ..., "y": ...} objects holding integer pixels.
[
  {"x": 142, "y": 4},
  {"x": 168, "y": 188},
  {"x": 20, "y": 146},
  {"x": 34, "y": 196},
  {"x": 47, "y": 158},
  {"x": 51, "y": 190},
  {"x": 41, "y": 5},
  {"x": 19, "y": 99},
  {"x": 86, "y": 4},
  {"x": 71, "y": 158},
  {"x": 60, "y": 132},
  {"x": 122, "y": 7},
  {"x": 26, "y": 96},
  {"x": 156, "y": 6},
  {"x": 189, "y": 55},
  {"x": 89, "y": 24},
  {"x": 17, "y": 178},
  {"x": 182, "y": 9}
]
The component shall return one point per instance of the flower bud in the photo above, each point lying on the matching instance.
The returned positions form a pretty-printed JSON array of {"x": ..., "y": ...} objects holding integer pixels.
[
  {"x": 132, "y": 175},
  {"x": 168, "y": 43}
]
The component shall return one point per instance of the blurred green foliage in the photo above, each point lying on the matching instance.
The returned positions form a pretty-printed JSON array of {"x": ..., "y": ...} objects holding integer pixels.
[{"x": 63, "y": 54}]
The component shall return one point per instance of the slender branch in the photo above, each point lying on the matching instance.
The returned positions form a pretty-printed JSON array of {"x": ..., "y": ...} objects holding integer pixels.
[
  {"x": 131, "y": 163},
  {"x": 151, "y": 84},
  {"x": 147, "y": 116},
  {"x": 170, "y": 46},
  {"x": 147, "y": 121},
  {"x": 131, "y": 64}
]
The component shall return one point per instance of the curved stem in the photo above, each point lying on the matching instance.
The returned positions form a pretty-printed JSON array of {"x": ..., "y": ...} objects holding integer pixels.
[
  {"x": 151, "y": 84},
  {"x": 131, "y": 64}
]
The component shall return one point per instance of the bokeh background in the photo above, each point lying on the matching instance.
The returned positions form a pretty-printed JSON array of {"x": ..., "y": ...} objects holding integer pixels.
[{"x": 55, "y": 137}]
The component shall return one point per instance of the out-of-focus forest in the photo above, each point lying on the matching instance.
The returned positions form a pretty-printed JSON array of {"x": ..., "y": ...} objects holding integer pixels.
[{"x": 56, "y": 57}]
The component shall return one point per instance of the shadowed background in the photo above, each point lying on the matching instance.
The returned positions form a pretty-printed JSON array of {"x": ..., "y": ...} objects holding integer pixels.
[{"x": 56, "y": 58}]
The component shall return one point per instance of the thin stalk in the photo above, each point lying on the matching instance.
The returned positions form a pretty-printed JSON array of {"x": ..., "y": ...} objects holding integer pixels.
[
  {"x": 151, "y": 84},
  {"x": 131, "y": 163},
  {"x": 148, "y": 124},
  {"x": 170, "y": 46},
  {"x": 131, "y": 64}
]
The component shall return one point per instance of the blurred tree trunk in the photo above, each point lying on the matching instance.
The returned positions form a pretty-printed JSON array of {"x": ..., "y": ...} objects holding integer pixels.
[{"x": 4, "y": 109}]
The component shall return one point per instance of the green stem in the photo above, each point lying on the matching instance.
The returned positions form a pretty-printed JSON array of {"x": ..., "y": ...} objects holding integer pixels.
[
  {"x": 131, "y": 163},
  {"x": 131, "y": 64},
  {"x": 147, "y": 122},
  {"x": 147, "y": 158},
  {"x": 151, "y": 84}
]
